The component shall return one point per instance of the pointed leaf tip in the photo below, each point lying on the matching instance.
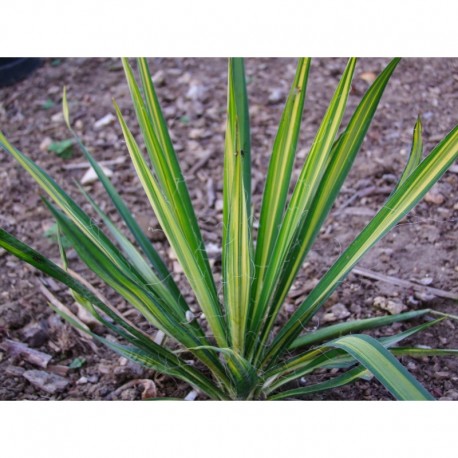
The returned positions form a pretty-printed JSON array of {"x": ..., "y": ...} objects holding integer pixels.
[{"x": 65, "y": 109}]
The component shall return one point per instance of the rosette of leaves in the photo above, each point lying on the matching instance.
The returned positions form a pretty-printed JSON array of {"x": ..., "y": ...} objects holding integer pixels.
[{"x": 237, "y": 350}]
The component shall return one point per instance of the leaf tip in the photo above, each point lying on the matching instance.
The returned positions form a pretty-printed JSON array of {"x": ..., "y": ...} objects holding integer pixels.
[{"x": 65, "y": 109}]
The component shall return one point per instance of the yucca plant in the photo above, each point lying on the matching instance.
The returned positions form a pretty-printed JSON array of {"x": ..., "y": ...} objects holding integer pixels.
[{"x": 237, "y": 351}]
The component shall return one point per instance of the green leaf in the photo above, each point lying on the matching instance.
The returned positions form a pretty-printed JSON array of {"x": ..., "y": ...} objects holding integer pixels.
[
  {"x": 32, "y": 257},
  {"x": 304, "y": 191},
  {"x": 416, "y": 152},
  {"x": 151, "y": 306},
  {"x": 341, "y": 329},
  {"x": 63, "y": 149},
  {"x": 311, "y": 360},
  {"x": 169, "y": 178},
  {"x": 77, "y": 363},
  {"x": 243, "y": 124},
  {"x": 236, "y": 255},
  {"x": 152, "y": 281},
  {"x": 157, "y": 358},
  {"x": 342, "y": 156},
  {"x": 47, "y": 104},
  {"x": 120, "y": 205},
  {"x": 348, "y": 377},
  {"x": 65, "y": 110},
  {"x": 243, "y": 373},
  {"x": 385, "y": 367},
  {"x": 169, "y": 197},
  {"x": 191, "y": 262},
  {"x": 396, "y": 207},
  {"x": 277, "y": 181}
]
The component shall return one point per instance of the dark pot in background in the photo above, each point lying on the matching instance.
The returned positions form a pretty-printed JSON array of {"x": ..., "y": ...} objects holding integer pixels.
[{"x": 14, "y": 69}]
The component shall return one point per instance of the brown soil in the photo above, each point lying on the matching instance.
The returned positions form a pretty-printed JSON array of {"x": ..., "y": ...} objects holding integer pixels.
[{"x": 421, "y": 248}]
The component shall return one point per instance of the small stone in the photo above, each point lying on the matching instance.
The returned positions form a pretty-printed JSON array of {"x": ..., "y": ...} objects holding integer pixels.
[
  {"x": 199, "y": 133},
  {"x": 159, "y": 78},
  {"x": 219, "y": 205},
  {"x": 90, "y": 176},
  {"x": 424, "y": 296},
  {"x": 191, "y": 396},
  {"x": 129, "y": 370},
  {"x": 45, "y": 144},
  {"x": 276, "y": 95},
  {"x": 82, "y": 381},
  {"x": 34, "y": 334},
  {"x": 368, "y": 77},
  {"x": 426, "y": 281},
  {"x": 197, "y": 92},
  {"x": 213, "y": 250},
  {"x": 335, "y": 313},
  {"x": 442, "y": 374},
  {"x": 58, "y": 117},
  {"x": 451, "y": 395},
  {"x": 105, "y": 121},
  {"x": 51, "y": 383},
  {"x": 149, "y": 389},
  {"x": 104, "y": 369},
  {"x": 190, "y": 317},
  {"x": 434, "y": 197},
  {"x": 453, "y": 168},
  {"x": 392, "y": 307},
  {"x": 93, "y": 379}
]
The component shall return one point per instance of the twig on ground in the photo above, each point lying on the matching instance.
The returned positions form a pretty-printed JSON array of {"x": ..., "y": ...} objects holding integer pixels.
[
  {"x": 404, "y": 283},
  {"x": 86, "y": 165},
  {"x": 32, "y": 356}
]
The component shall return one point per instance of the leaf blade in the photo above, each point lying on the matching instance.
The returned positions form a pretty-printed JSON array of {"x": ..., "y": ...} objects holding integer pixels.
[
  {"x": 396, "y": 207},
  {"x": 385, "y": 367}
]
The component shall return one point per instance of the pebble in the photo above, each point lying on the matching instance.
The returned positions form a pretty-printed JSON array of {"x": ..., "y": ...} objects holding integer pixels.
[
  {"x": 128, "y": 370},
  {"x": 57, "y": 118},
  {"x": 451, "y": 395},
  {"x": 424, "y": 296},
  {"x": 434, "y": 197},
  {"x": 442, "y": 374},
  {"x": 51, "y": 383},
  {"x": 177, "y": 269},
  {"x": 392, "y": 307},
  {"x": 276, "y": 95},
  {"x": 190, "y": 317},
  {"x": 93, "y": 379},
  {"x": 368, "y": 77},
  {"x": 213, "y": 250},
  {"x": 199, "y": 133},
  {"x": 197, "y": 92},
  {"x": 335, "y": 313},
  {"x": 191, "y": 396},
  {"x": 34, "y": 334},
  {"x": 90, "y": 176},
  {"x": 159, "y": 78},
  {"x": 105, "y": 121},
  {"x": 45, "y": 144}
]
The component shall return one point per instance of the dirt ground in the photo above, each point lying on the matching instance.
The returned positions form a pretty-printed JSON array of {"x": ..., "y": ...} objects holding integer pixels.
[{"x": 421, "y": 249}]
